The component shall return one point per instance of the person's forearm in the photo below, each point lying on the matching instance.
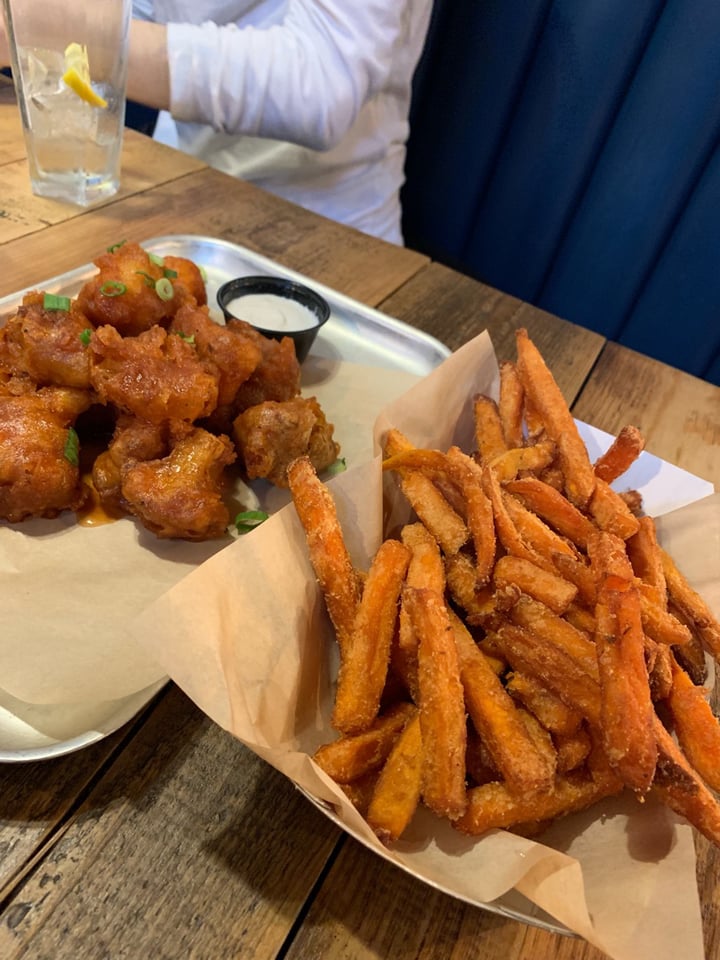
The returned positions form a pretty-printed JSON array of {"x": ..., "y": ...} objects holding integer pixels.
[{"x": 148, "y": 72}]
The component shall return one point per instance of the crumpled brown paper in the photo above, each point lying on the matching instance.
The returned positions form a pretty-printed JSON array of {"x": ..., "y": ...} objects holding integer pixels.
[
  {"x": 246, "y": 636},
  {"x": 69, "y": 591}
]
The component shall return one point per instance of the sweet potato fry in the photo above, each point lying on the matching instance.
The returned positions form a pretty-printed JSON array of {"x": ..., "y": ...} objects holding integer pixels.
[
  {"x": 626, "y": 703},
  {"x": 548, "y": 628},
  {"x": 426, "y": 570},
  {"x": 555, "y": 509},
  {"x": 691, "y": 657},
  {"x": 697, "y": 728},
  {"x": 534, "y": 531},
  {"x": 679, "y": 786},
  {"x": 549, "y": 588},
  {"x": 644, "y": 553},
  {"x": 418, "y": 470},
  {"x": 572, "y": 749},
  {"x": 489, "y": 436},
  {"x": 510, "y": 463},
  {"x": 611, "y": 513},
  {"x": 581, "y": 627},
  {"x": 493, "y": 805},
  {"x": 514, "y": 752},
  {"x": 350, "y": 758},
  {"x": 507, "y": 532},
  {"x": 364, "y": 666},
  {"x": 581, "y": 618},
  {"x": 397, "y": 792},
  {"x": 620, "y": 455},
  {"x": 510, "y": 404},
  {"x": 478, "y": 762},
  {"x": 555, "y": 667},
  {"x": 547, "y": 399},
  {"x": 692, "y": 605},
  {"x": 659, "y": 671},
  {"x": 326, "y": 546},
  {"x": 577, "y": 571},
  {"x": 442, "y": 707},
  {"x": 462, "y": 584},
  {"x": 552, "y": 713},
  {"x": 359, "y": 792},
  {"x": 478, "y": 514},
  {"x": 658, "y": 623}
]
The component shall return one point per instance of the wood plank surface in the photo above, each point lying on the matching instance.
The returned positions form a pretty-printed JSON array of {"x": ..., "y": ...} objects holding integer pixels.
[
  {"x": 368, "y": 908},
  {"x": 12, "y": 145},
  {"x": 454, "y": 308},
  {"x": 678, "y": 414},
  {"x": 144, "y": 166},
  {"x": 190, "y": 846},
  {"x": 210, "y": 203},
  {"x": 37, "y": 797}
]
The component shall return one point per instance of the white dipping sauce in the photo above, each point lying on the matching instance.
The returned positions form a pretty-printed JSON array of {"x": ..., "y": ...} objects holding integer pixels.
[{"x": 270, "y": 312}]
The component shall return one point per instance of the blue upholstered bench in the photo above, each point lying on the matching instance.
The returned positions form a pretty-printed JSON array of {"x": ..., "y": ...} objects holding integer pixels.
[{"x": 568, "y": 152}]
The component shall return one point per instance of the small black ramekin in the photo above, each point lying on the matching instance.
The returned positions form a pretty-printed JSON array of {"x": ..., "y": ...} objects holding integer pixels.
[{"x": 280, "y": 287}]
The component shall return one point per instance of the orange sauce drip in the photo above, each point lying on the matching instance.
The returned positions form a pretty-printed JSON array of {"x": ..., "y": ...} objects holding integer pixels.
[{"x": 92, "y": 513}]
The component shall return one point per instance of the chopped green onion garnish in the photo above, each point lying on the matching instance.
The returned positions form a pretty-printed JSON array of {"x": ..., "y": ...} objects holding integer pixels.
[
  {"x": 154, "y": 258},
  {"x": 247, "y": 521},
  {"x": 71, "y": 451},
  {"x": 170, "y": 274},
  {"x": 339, "y": 466},
  {"x": 85, "y": 336},
  {"x": 113, "y": 288},
  {"x": 187, "y": 337},
  {"x": 51, "y": 301},
  {"x": 116, "y": 246},
  {"x": 149, "y": 281},
  {"x": 164, "y": 289}
]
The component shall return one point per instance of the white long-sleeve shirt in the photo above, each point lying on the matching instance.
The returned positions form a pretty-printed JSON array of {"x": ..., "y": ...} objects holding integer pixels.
[{"x": 306, "y": 98}]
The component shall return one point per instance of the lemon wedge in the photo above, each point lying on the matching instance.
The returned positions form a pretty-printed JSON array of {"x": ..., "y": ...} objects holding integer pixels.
[{"x": 77, "y": 75}]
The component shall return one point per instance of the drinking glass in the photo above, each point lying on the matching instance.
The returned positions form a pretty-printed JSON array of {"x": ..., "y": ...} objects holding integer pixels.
[{"x": 70, "y": 71}]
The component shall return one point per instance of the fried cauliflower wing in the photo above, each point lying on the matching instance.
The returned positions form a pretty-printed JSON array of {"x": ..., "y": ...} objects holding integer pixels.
[
  {"x": 277, "y": 376},
  {"x": 50, "y": 346},
  {"x": 133, "y": 440},
  {"x": 155, "y": 376},
  {"x": 39, "y": 475},
  {"x": 180, "y": 495},
  {"x": 124, "y": 293},
  {"x": 234, "y": 355},
  {"x": 270, "y": 435}
]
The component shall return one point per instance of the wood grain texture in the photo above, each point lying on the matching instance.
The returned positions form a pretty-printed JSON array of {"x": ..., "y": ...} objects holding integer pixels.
[
  {"x": 22, "y": 213},
  {"x": 210, "y": 203},
  {"x": 190, "y": 846},
  {"x": 36, "y": 798},
  {"x": 455, "y": 308},
  {"x": 368, "y": 908},
  {"x": 678, "y": 414}
]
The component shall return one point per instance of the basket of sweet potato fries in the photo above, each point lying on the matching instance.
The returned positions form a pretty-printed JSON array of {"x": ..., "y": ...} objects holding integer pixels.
[
  {"x": 523, "y": 647},
  {"x": 512, "y": 659}
]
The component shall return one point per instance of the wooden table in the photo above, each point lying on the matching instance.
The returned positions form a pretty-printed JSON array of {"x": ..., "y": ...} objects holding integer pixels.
[{"x": 169, "y": 839}]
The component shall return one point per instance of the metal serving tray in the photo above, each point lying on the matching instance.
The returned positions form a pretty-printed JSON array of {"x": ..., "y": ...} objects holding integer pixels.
[{"x": 354, "y": 333}]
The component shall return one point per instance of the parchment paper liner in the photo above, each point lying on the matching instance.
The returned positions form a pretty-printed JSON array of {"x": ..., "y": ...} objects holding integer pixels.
[
  {"x": 246, "y": 636},
  {"x": 69, "y": 591}
]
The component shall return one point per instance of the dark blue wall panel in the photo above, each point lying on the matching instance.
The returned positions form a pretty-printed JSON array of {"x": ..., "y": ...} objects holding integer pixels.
[
  {"x": 679, "y": 306},
  {"x": 579, "y": 73},
  {"x": 565, "y": 152}
]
